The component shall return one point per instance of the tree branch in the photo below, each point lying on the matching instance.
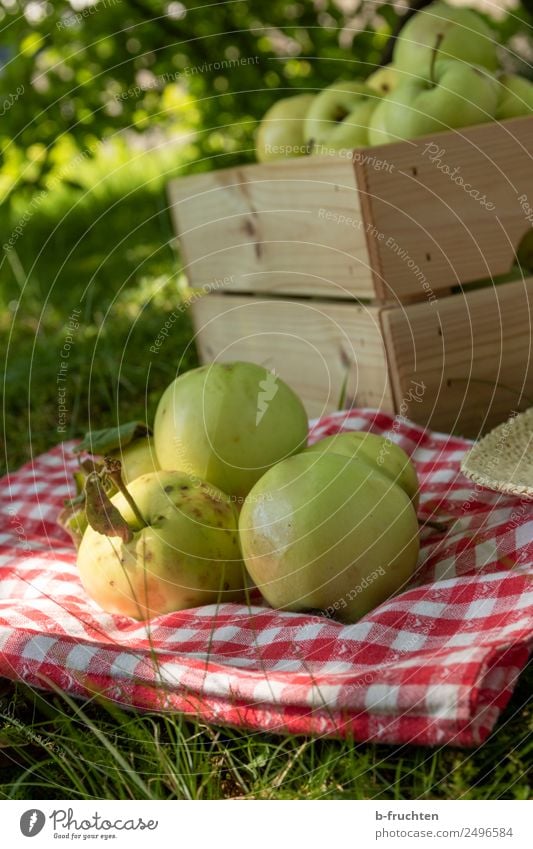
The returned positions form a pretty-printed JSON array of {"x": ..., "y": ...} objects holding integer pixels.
[{"x": 164, "y": 23}]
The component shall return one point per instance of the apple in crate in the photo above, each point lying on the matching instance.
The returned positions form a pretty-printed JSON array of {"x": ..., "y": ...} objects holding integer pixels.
[
  {"x": 516, "y": 97},
  {"x": 461, "y": 33},
  {"x": 281, "y": 131},
  {"x": 227, "y": 423},
  {"x": 339, "y": 116},
  {"x": 454, "y": 95},
  {"x": 166, "y": 542},
  {"x": 384, "y": 80}
]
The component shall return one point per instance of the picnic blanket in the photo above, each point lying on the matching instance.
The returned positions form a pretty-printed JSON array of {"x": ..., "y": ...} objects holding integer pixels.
[{"x": 434, "y": 665}]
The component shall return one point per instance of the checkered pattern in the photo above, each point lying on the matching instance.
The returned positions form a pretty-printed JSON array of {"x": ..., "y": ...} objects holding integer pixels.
[{"x": 435, "y": 665}]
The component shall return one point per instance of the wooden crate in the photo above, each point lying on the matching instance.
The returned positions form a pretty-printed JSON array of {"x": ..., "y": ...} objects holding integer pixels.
[
  {"x": 459, "y": 364},
  {"x": 327, "y": 268}
]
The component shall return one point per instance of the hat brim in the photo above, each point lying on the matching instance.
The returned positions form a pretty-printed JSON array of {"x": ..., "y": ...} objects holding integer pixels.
[{"x": 503, "y": 459}]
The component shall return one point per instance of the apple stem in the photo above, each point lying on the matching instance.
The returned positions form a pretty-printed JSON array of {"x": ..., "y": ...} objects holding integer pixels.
[
  {"x": 113, "y": 468},
  {"x": 436, "y": 49},
  {"x": 101, "y": 513}
]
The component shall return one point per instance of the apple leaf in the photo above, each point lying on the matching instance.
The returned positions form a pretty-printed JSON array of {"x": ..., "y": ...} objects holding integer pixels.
[
  {"x": 102, "y": 515},
  {"x": 342, "y": 397},
  {"x": 110, "y": 438},
  {"x": 79, "y": 480},
  {"x": 86, "y": 468}
]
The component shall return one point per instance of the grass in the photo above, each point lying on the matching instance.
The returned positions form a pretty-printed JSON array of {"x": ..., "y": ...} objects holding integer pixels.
[
  {"x": 110, "y": 373},
  {"x": 106, "y": 252},
  {"x": 54, "y": 748},
  {"x": 110, "y": 257}
]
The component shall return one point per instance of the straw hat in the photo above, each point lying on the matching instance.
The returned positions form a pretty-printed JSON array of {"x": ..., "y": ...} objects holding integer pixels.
[{"x": 503, "y": 459}]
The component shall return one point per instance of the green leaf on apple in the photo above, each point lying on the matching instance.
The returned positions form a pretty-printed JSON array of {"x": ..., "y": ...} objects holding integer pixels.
[{"x": 110, "y": 438}]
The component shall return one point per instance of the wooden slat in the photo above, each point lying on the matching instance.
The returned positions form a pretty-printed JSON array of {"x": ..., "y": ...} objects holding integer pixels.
[
  {"x": 429, "y": 230},
  {"x": 291, "y": 227},
  {"x": 472, "y": 352},
  {"x": 311, "y": 344},
  {"x": 424, "y": 214}
]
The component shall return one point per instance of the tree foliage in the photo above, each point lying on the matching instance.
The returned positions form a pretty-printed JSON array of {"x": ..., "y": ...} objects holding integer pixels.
[
  {"x": 75, "y": 75},
  {"x": 135, "y": 65}
]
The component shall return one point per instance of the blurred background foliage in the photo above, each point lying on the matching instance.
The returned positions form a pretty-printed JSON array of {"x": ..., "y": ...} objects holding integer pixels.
[
  {"x": 152, "y": 71},
  {"x": 101, "y": 103}
]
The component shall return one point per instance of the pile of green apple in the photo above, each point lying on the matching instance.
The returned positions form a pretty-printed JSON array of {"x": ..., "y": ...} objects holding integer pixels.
[
  {"x": 445, "y": 74},
  {"x": 225, "y": 494}
]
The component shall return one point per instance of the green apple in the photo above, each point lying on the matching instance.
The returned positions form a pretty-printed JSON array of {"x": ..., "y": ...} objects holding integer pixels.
[
  {"x": 456, "y": 95},
  {"x": 377, "y": 128},
  {"x": 461, "y": 34},
  {"x": 338, "y": 117},
  {"x": 280, "y": 134},
  {"x": 376, "y": 451},
  {"x": 323, "y": 532},
  {"x": 179, "y": 549},
  {"x": 385, "y": 79},
  {"x": 138, "y": 458},
  {"x": 516, "y": 97},
  {"x": 228, "y": 423}
]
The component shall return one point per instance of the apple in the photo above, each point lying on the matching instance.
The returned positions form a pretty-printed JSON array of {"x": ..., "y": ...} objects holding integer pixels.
[
  {"x": 280, "y": 134},
  {"x": 384, "y": 80},
  {"x": 516, "y": 97},
  {"x": 227, "y": 423},
  {"x": 338, "y": 117},
  {"x": 462, "y": 35},
  {"x": 325, "y": 532},
  {"x": 138, "y": 458},
  {"x": 455, "y": 95},
  {"x": 376, "y": 451},
  {"x": 165, "y": 543},
  {"x": 129, "y": 442}
]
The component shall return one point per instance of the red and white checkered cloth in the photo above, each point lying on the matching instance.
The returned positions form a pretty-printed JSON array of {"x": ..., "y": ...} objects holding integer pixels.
[{"x": 435, "y": 665}]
